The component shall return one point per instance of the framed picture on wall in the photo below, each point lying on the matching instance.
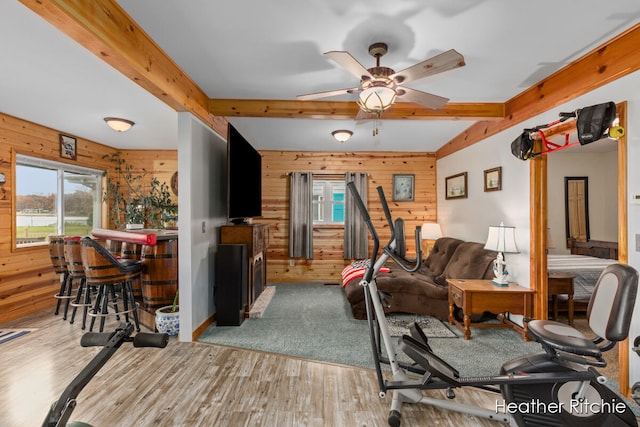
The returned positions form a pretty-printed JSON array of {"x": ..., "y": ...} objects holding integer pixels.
[
  {"x": 68, "y": 147},
  {"x": 403, "y": 188},
  {"x": 456, "y": 186},
  {"x": 493, "y": 179}
]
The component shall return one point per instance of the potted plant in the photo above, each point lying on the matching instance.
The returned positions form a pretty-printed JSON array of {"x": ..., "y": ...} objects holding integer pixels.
[
  {"x": 134, "y": 214},
  {"x": 168, "y": 318},
  {"x": 131, "y": 204},
  {"x": 158, "y": 201}
]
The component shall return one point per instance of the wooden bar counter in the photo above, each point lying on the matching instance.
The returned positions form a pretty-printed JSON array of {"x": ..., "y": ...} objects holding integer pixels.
[{"x": 159, "y": 257}]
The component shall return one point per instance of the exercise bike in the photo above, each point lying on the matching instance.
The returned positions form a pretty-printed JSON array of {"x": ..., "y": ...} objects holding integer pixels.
[
  {"x": 558, "y": 386},
  {"x": 61, "y": 410}
]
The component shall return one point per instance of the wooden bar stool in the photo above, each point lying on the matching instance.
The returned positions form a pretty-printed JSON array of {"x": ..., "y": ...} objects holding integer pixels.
[
  {"x": 56, "y": 252},
  {"x": 133, "y": 251},
  {"x": 73, "y": 255},
  {"x": 113, "y": 246},
  {"x": 107, "y": 273}
]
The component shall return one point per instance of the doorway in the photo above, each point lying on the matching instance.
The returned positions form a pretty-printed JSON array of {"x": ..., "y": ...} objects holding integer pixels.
[{"x": 539, "y": 213}]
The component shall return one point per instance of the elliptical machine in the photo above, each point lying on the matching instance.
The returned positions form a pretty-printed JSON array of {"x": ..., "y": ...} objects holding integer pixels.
[{"x": 558, "y": 386}]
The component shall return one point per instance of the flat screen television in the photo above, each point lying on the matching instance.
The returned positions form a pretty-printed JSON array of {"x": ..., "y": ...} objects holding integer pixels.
[{"x": 244, "y": 178}]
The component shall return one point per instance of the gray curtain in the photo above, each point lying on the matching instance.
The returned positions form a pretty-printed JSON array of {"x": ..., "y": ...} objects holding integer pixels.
[
  {"x": 356, "y": 236},
  {"x": 301, "y": 215}
]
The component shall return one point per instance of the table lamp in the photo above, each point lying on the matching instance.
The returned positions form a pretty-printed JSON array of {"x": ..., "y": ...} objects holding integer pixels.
[
  {"x": 430, "y": 231},
  {"x": 501, "y": 239}
]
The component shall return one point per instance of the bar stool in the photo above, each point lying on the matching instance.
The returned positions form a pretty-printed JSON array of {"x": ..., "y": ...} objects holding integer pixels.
[
  {"x": 73, "y": 255},
  {"x": 133, "y": 251},
  {"x": 113, "y": 246},
  {"x": 56, "y": 252},
  {"x": 106, "y": 273}
]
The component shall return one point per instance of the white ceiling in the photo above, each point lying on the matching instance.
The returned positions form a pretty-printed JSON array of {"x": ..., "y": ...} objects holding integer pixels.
[{"x": 256, "y": 49}]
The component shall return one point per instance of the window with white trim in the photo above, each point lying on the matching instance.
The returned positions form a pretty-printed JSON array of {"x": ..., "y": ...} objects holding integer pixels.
[
  {"x": 54, "y": 198},
  {"x": 328, "y": 202}
]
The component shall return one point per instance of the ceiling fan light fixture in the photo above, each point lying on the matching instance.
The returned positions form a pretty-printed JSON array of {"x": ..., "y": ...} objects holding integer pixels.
[
  {"x": 118, "y": 124},
  {"x": 376, "y": 99},
  {"x": 342, "y": 135}
]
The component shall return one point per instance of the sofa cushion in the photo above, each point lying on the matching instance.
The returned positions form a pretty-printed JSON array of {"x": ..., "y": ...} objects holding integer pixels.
[
  {"x": 440, "y": 255},
  {"x": 469, "y": 261}
]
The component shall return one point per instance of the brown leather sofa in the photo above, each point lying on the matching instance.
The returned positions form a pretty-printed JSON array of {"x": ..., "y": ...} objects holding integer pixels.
[{"x": 425, "y": 291}]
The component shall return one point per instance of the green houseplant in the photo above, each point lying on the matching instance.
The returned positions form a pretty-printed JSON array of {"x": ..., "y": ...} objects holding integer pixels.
[{"x": 132, "y": 202}]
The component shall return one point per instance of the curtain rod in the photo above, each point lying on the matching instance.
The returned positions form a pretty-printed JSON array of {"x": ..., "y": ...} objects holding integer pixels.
[{"x": 324, "y": 174}]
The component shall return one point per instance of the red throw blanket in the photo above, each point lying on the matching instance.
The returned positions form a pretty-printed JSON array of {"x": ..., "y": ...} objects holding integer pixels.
[{"x": 357, "y": 269}]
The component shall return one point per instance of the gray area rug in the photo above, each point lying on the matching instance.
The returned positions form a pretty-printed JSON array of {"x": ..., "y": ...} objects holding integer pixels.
[
  {"x": 314, "y": 321},
  {"x": 399, "y": 324}
]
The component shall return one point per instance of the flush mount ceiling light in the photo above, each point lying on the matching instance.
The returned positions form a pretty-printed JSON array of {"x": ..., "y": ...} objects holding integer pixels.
[
  {"x": 119, "y": 125},
  {"x": 342, "y": 135}
]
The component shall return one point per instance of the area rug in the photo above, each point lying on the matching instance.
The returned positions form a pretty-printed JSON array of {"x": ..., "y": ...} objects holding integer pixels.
[
  {"x": 314, "y": 321},
  {"x": 399, "y": 324},
  {"x": 7, "y": 335}
]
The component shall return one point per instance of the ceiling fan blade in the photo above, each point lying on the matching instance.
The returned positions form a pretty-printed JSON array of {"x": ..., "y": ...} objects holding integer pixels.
[
  {"x": 405, "y": 94},
  {"x": 363, "y": 115},
  {"x": 443, "y": 62},
  {"x": 349, "y": 63},
  {"x": 316, "y": 95}
]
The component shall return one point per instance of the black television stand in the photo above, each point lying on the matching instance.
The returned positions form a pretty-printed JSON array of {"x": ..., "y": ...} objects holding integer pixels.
[{"x": 256, "y": 237}]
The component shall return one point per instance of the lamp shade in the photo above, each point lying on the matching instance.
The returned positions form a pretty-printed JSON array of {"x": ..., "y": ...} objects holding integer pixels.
[
  {"x": 502, "y": 239},
  {"x": 430, "y": 231},
  {"x": 119, "y": 125},
  {"x": 342, "y": 135},
  {"x": 376, "y": 99}
]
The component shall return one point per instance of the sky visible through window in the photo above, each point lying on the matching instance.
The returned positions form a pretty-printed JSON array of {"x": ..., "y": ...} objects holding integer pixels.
[{"x": 38, "y": 181}]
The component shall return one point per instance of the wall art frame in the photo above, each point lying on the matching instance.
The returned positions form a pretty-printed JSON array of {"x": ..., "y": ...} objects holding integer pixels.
[
  {"x": 68, "y": 147},
  {"x": 456, "y": 186},
  {"x": 404, "y": 187},
  {"x": 493, "y": 179}
]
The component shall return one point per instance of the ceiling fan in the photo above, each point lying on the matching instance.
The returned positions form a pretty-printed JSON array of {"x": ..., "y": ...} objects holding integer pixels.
[{"x": 380, "y": 87}]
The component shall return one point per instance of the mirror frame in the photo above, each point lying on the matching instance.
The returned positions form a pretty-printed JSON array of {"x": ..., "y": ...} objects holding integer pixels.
[{"x": 568, "y": 179}]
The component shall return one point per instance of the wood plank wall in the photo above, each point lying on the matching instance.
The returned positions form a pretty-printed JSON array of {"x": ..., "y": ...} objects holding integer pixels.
[
  {"x": 27, "y": 281},
  {"x": 328, "y": 259}
]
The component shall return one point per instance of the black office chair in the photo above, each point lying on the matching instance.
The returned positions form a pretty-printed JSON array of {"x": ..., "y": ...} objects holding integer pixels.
[{"x": 608, "y": 314}]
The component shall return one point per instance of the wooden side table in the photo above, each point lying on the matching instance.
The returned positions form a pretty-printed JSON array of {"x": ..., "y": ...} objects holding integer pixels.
[
  {"x": 561, "y": 284},
  {"x": 478, "y": 296}
]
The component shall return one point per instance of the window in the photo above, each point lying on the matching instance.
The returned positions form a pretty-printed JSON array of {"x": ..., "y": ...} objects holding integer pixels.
[
  {"x": 328, "y": 202},
  {"x": 55, "y": 198}
]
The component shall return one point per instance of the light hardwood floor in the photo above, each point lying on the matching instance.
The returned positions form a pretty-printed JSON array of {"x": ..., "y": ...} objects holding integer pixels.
[{"x": 196, "y": 384}]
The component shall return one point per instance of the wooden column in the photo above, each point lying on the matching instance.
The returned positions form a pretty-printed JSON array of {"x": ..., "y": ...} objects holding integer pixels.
[{"x": 538, "y": 238}]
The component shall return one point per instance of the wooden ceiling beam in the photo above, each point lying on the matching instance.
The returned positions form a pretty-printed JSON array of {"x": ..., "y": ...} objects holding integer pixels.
[
  {"x": 348, "y": 110},
  {"x": 610, "y": 61},
  {"x": 106, "y": 30}
]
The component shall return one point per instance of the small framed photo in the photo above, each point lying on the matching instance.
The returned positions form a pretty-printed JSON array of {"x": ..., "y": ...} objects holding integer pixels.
[
  {"x": 456, "y": 186},
  {"x": 68, "y": 147},
  {"x": 403, "y": 188},
  {"x": 493, "y": 179}
]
